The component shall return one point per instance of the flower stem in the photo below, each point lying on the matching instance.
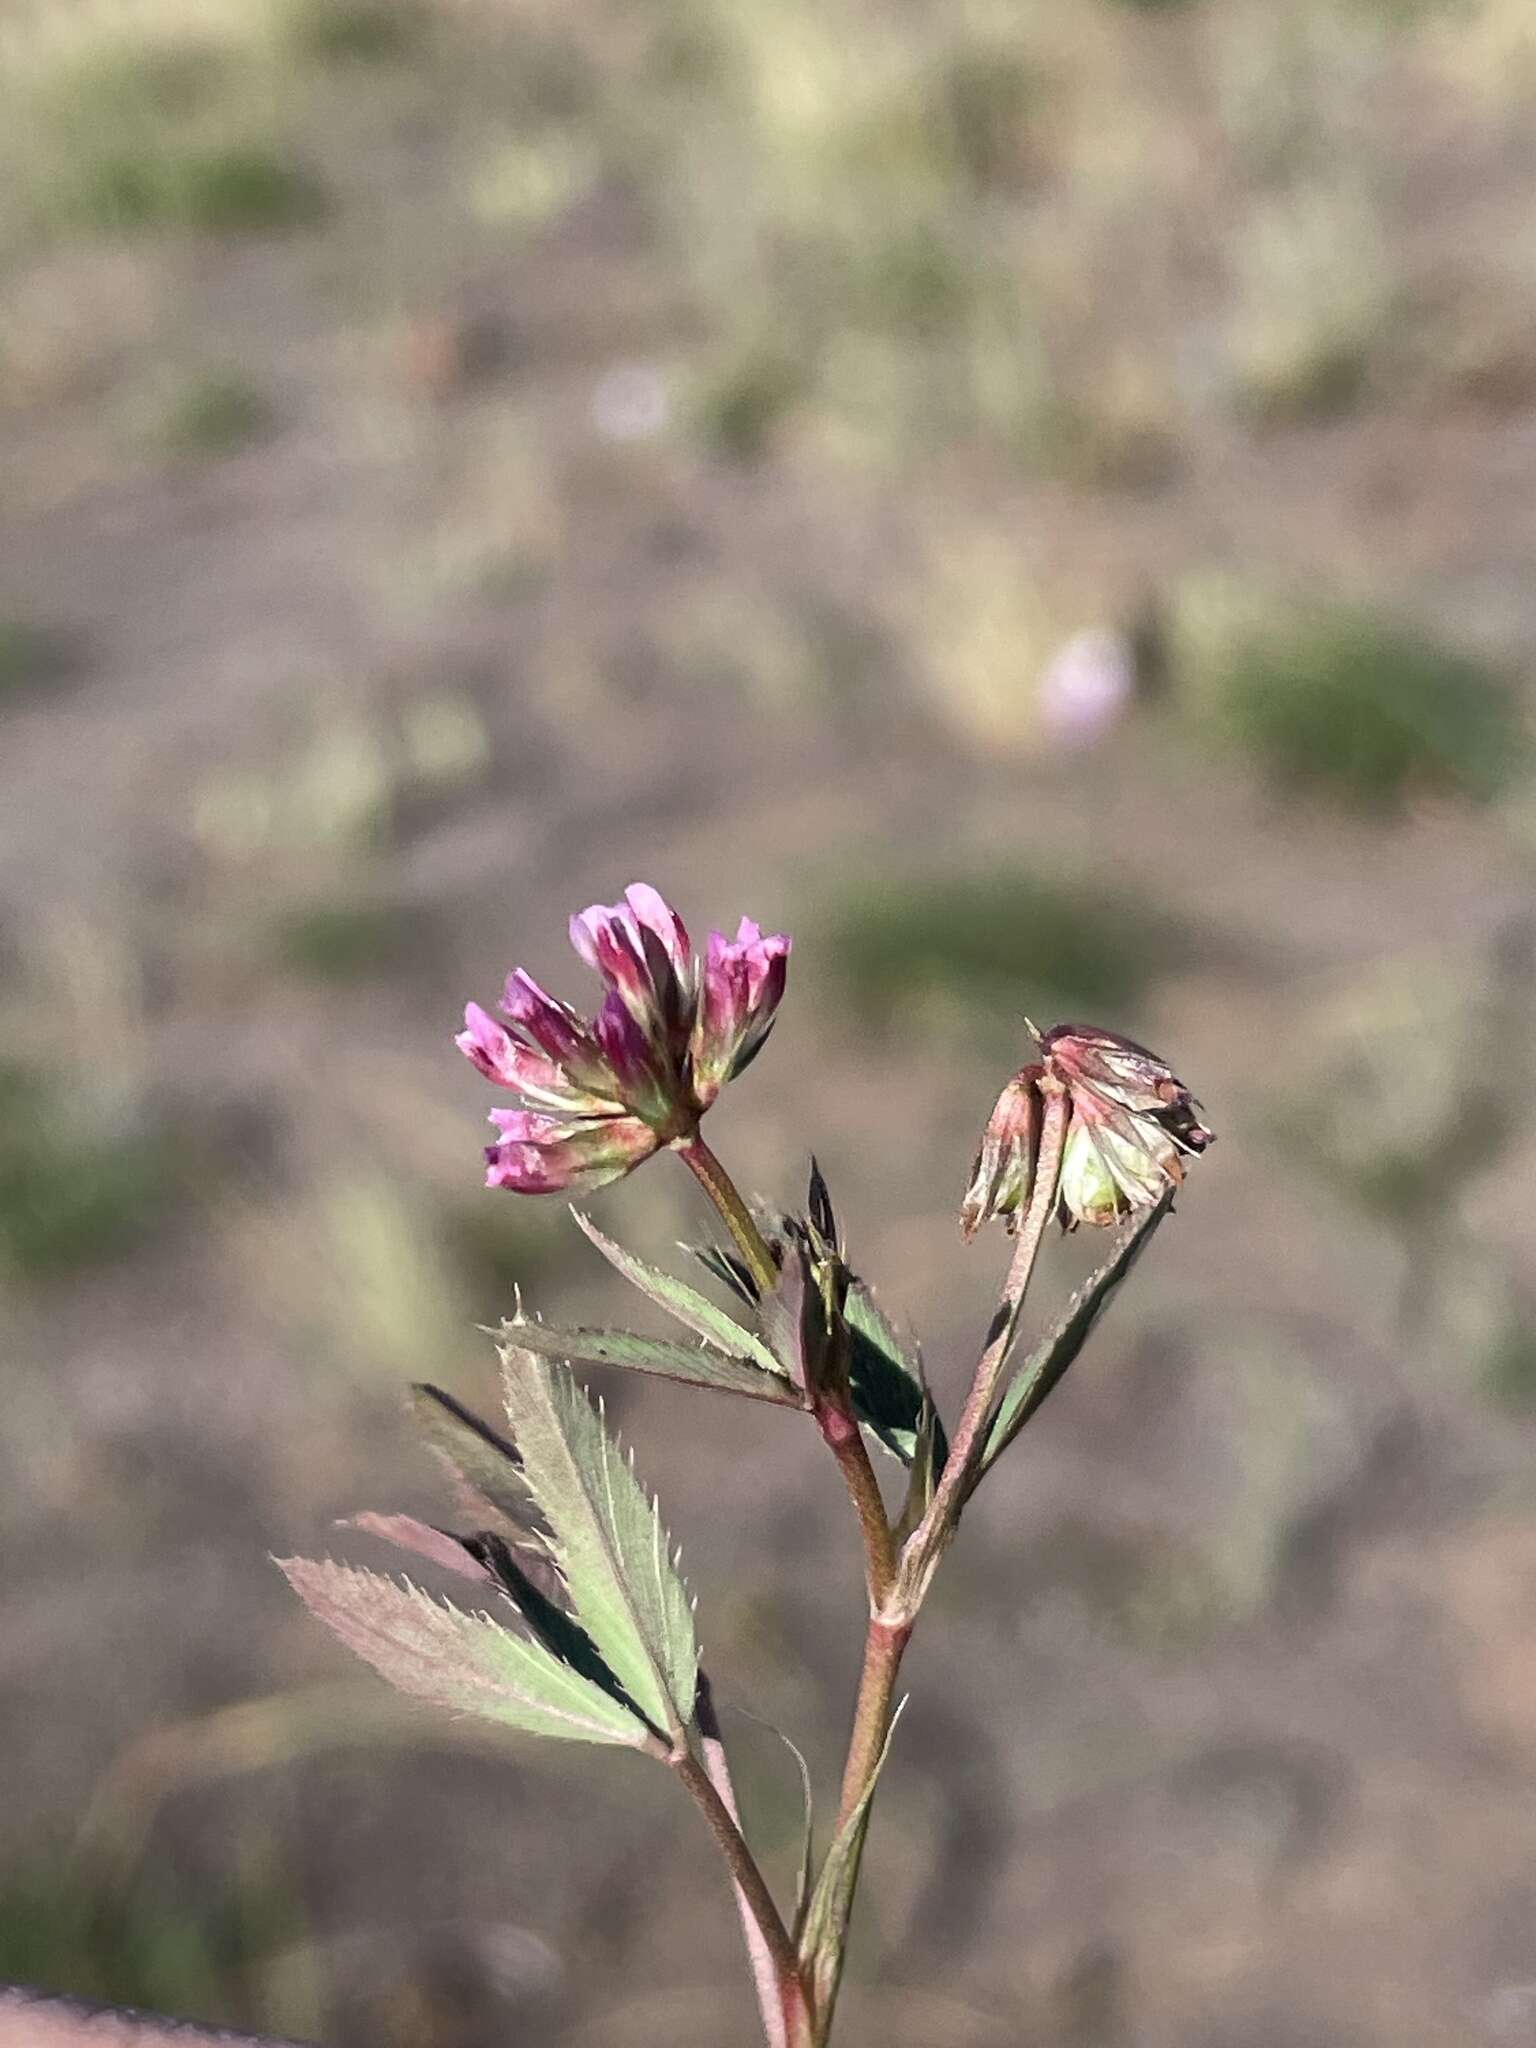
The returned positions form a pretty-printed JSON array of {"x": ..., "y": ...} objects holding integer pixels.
[
  {"x": 734, "y": 1213},
  {"x": 937, "y": 1525},
  {"x": 781, "y": 1991}
]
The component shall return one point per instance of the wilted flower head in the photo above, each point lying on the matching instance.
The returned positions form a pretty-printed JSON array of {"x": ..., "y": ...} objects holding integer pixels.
[
  {"x": 1005, "y": 1163},
  {"x": 598, "y": 1096},
  {"x": 1131, "y": 1121}
]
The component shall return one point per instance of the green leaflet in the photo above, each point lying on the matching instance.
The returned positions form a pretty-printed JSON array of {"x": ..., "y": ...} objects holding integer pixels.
[
  {"x": 821, "y": 1941},
  {"x": 701, "y": 1365},
  {"x": 691, "y": 1308},
  {"x": 887, "y": 1392},
  {"x": 474, "y": 1452},
  {"x": 1050, "y": 1358},
  {"x": 606, "y": 1538},
  {"x": 456, "y": 1660}
]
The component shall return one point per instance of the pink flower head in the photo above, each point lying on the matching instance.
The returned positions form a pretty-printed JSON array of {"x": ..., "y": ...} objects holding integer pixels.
[
  {"x": 600, "y": 1095},
  {"x": 741, "y": 985}
]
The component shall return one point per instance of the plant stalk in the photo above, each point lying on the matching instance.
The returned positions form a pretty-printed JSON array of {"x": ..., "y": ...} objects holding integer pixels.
[
  {"x": 937, "y": 1525},
  {"x": 788, "y": 2023},
  {"x": 765, "y": 1975},
  {"x": 845, "y": 1439},
  {"x": 842, "y": 1432},
  {"x": 884, "y": 1646},
  {"x": 734, "y": 1213}
]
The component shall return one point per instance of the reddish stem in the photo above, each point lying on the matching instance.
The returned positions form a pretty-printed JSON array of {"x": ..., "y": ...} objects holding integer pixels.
[{"x": 845, "y": 1440}]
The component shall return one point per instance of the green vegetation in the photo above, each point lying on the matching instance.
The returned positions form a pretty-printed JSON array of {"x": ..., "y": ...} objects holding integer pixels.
[
  {"x": 999, "y": 943},
  {"x": 176, "y": 1947},
  {"x": 741, "y": 405},
  {"x": 33, "y": 658},
  {"x": 496, "y": 1246},
  {"x": 72, "y": 1196},
  {"x": 344, "y": 942},
  {"x": 341, "y": 31},
  {"x": 217, "y": 190},
  {"x": 1334, "y": 700},
  {"x": 1509, "y": 1369},
  {"x": 214, "y": 413},
  {"x": 162, "y": 138}
]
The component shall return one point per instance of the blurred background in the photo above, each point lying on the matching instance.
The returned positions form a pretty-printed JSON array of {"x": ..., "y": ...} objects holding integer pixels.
[{"x": 1037, "y": 502}]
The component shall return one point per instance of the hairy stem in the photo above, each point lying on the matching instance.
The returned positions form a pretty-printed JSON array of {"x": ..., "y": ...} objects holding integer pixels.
[
  {"x": 937, "y": 1525},
  {"x": 790, "y": 2027},
  {"x": 734, "y": 1213}
]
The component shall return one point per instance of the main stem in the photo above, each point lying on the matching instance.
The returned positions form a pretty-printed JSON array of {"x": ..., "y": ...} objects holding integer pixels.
[
  {"x": 873, "y": 1713},
  {"x": 890, "y": 1624}
]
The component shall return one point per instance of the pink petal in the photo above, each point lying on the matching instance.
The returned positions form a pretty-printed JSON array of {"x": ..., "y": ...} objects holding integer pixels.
[
  {"x": 565, "y": 1158},
  {"x": 651, "y": 909},
  {"x": 499, "y": 1056}
]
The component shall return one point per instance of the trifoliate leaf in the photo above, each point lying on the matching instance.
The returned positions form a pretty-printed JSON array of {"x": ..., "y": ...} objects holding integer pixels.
[
  {"x": 1050, "y": 1358},
  {"x": 528, "y": 1579},
  {"x": 438, "y": 1546},
  {"x": 519, "y": 1577},
  {"x": 461, "y": 1661},
  {"x": 701, "y": 1365},
  {"x": 606, "y": 1537},
  {"x": 696, "y": 1311}
]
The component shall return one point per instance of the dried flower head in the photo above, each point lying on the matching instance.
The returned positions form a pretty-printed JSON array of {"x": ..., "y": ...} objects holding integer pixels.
[
  {"x": 600, "y": 1095},
  {"x": 1132, "y": 1123},
  {"x": 1005, "y": 1163}
]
